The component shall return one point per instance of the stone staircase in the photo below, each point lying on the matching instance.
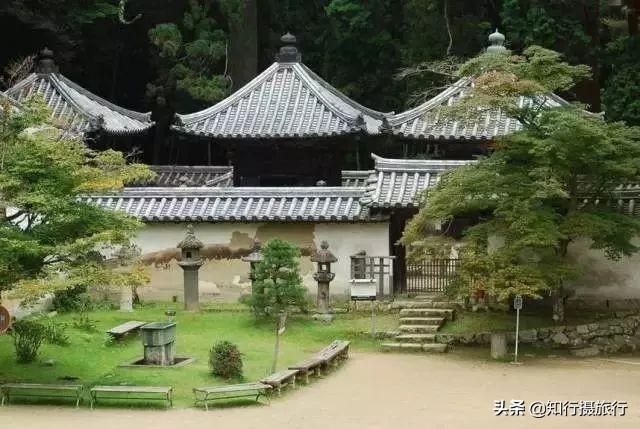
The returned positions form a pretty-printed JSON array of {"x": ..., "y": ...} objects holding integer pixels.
[{"x": 420, "y": 320}]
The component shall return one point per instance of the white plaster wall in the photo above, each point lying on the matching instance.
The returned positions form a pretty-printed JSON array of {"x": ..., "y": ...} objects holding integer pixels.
[
  {"x": 226, "y": 278},
  {"x": 602, "y": 277}
]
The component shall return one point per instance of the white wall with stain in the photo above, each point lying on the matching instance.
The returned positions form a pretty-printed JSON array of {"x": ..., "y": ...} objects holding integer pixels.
[
  {"x": 602, "y": 277},
  {"x": 225, "y": 276}
]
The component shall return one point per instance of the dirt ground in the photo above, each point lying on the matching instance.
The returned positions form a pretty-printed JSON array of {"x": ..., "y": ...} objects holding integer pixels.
[{"x": 392, "y": 391}]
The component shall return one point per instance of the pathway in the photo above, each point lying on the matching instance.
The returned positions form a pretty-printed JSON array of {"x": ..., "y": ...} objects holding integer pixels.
[{"x": 390, "y": 391}]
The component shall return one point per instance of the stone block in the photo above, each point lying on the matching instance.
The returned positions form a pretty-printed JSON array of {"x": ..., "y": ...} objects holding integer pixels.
[
  {"x": 528, "y": 336},
  {"x": 585, "y": 352},
  {"x": 560, "y": 338},
  {"x": 582, "y": 329}
]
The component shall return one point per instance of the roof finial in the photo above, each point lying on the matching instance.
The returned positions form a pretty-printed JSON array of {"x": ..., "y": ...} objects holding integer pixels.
[
  {"x": 496, "y": 40},
  {"x": 46, "y": 63},
  {"x": 288, "y": 52}
]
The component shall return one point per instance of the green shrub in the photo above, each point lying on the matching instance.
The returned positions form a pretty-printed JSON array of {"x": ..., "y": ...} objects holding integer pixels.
[
  {"x": 28, "y": 335},
  {"x": 225, "y": 360},
  {"x": 57, "y": 333},
  {"x": 72, "y": 299}
]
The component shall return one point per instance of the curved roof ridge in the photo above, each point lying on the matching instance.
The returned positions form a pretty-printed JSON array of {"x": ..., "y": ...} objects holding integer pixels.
[
  {"x": 431, "y": 103},
  {"x": 372, "y": 112},
  {"x": 140, "y": 116},
  {"x": 189, "y": 118}
]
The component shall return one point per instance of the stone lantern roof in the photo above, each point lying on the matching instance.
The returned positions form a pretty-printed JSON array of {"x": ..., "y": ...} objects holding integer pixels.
[
  {"x": 324, "y": 255},
  {"x": 190, "y": 241}
]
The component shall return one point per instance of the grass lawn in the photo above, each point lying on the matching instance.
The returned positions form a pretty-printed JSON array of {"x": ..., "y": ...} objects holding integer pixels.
[
  {"x": 469, "y": 322},
  {"x": 93, "y": 362}
]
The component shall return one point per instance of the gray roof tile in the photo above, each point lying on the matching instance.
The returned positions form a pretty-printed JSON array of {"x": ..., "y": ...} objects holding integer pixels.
[
  {"x": 188, "y": 175},
  {"x": 285, "y": 100},
  {"x": 315, "y": 204},
  {"x": 78, "y": 110},
  {"x": 397, "y": 182},
  {"x": 426, "y": 122}
]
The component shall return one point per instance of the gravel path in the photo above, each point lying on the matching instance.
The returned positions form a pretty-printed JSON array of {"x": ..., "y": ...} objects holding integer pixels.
[{"x": 390, "y": 391}]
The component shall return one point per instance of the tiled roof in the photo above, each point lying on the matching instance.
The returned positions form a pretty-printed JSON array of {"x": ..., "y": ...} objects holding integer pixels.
[
  {"x": 285, "y": 100},
  {"x": 355, "y": 178},
  {"x": 315, "y": 204},
  {"x": 426, "y": 121},
  {"x": 187, "y": 175},
  {"x": 397, "y": 182},
  {"x": 77, "y": 109}
]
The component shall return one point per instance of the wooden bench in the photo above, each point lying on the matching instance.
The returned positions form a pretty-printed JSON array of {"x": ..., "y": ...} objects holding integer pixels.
[
  {"x": 121, "y": 330},
  {"x": 148, "y": 393},
  {"x": 307, "y": 366},
  {"x": 280, "y": 379},
  {"x": 41, "y": 390},
  {"x": 203, "y": 395},
  {"x": 334, "y": 352}
]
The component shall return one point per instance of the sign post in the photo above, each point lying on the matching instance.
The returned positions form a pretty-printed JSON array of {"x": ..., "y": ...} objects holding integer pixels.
[
  {"x": 365, "y": 290},
  {"x": 517, "y": 304}
]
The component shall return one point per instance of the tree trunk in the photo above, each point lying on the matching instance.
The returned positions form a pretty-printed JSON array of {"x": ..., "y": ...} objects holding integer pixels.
[
  {"x": 276, "y": 349},
  {"x": 243, "y": 52},
  {"x": 558, "y": 304}
]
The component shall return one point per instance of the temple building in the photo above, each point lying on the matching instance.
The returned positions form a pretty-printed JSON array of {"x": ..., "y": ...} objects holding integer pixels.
[
  {"x": 289, "y": 156},
  {"x": 287, "y": 127},
  {"x": 78, "y": 111}
]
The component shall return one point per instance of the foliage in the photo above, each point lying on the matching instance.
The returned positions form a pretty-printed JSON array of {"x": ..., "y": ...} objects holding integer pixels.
[
  {"x": 191, "y": 56},
  {"x": 620, "y": 96},
  {"x": 225, "y": 360},
  {"x": 28, "y": 335},
  {"x": 57, "y": 333},
  {"x": 49, "y": 239},
  {"x": 71, "y": 299},
  {"x": 277, "y": 286},
  {"x": 529, "y": 198},
  {"x": 501, "y": 79},
  {"x": 554, "y": 24}
]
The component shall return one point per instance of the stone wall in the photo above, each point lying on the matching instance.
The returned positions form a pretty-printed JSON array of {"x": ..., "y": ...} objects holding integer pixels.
[{"x": 621, "y": 334}]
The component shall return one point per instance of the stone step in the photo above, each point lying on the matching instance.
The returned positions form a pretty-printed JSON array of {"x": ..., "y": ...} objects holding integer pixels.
[
  {"x": 427, "y": 312},
  {"x": 416, "y": 338},
  {"x": 424, "y": 304},
  {"x": 422, "y": 321},
  {"x": 419, "y": 329},
  {"x": 428, "y": 347}
]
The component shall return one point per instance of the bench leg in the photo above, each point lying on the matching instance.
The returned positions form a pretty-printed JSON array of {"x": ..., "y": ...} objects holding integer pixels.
[
  {"x": 4, "y": 395},
  {"x": 279, "y": 390},
  {"x": 306, "y": 377}
]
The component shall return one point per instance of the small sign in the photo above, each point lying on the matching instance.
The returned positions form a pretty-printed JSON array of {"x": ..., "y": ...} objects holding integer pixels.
[
  {"x": 517, "y": 302},
  {"x": 363, "y": 290},
  {"x": 5, "y": 320}
]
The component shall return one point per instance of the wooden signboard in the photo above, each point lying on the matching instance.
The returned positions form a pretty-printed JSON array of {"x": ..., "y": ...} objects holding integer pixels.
[{"x": 5, "y": 320}]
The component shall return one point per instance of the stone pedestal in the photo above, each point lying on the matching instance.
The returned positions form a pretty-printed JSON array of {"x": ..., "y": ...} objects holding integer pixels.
[
  {"x": 322, "y": 300},
  {"x": 126, "y": 299},
  {"x": 159, "y": 341},
  {"x": 191, "y": 290},
  {"x": 498, "y": 345}
]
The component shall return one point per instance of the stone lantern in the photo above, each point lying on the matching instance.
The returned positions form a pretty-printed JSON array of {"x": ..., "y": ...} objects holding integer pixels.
[
  {"x": 190, "y": 262},
  {"x": 253, "y": 258},
  {"x": 324, "y": 258}
]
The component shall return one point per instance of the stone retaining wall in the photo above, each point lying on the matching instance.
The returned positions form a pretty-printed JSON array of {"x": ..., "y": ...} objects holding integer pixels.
[{"x": 608, "y": 336}]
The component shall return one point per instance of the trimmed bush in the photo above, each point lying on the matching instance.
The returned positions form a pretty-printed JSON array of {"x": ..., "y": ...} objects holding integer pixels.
[
  {"x": 225, "y": 360},
  {"x": 28, "y": 335}
]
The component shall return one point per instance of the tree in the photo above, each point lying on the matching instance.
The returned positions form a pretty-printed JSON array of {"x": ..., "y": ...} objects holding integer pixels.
[
  {"x": 539, "y": 191},
  {"x": 192, "y": 56},
  {"x": 49, "y": 239},
  {"x": 277, "y": 286}
]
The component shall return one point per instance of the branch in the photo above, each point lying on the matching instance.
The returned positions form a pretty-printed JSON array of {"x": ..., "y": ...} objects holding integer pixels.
[{"x": 448, "y": 26}]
